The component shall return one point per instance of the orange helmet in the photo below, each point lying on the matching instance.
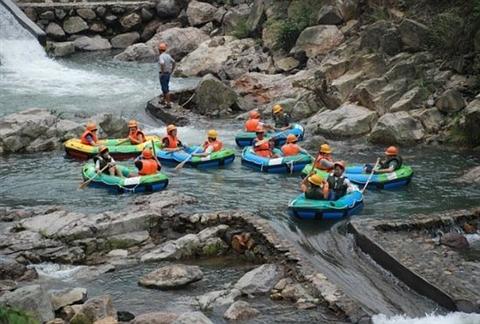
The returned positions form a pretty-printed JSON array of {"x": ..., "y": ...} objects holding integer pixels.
[
  {"x": 291, "y": 138},
  {"x": 340, "y": 164},
  {"x": 162, "y": 46},
  {"x": 91, "y": 126},
  {"x": 254, "y": 114},
  {"x": 102, "y": 148},
  {"x": 132, "y": 123},
  {"x": 391, "y": 150},
  {"x": 170, "y": 128},
  {"x": 147, "y": 153},
  {"x": 260, "y": 130}
]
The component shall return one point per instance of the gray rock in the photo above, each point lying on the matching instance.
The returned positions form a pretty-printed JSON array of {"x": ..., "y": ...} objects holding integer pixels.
[
  {"x": 212, "y": 232},
  {"x": 32, "y": 299},
  {"x": 11, "y": 269},
  {"x": 137, "y": 52},
  {"x": 54, "y": 31},
  {"x": 147, "y": 14},
  {"x": 95, "y": 43},
  {"x": 431, "y": 119},
  {"x": 199, "y": 13},
  {"x": 101, "y": 11},
  {"x": 150, "y": 29},
  {"x": 110, "y": 19},
  {"x": 98, "y": 27},
  {"x": 259, "y": 280},
  {"x": 131, "y": 21},
  {"x": 7, "y": 285},
  {"x": 256, "y": 17},
  {"x": 329, "y": 15},
  {"x": 95, "y": 309},
  {"x": 192, "y": 318},
  {"x": 111, "y": 125},
  {"x": 60, "y": 14},
  {"x": 454, "y": 240},
  {"x": 217, "y": 299},
  {"x": 472, "y": 176},
  {"x": 31, "y": 13},
  {"x": 155, "y": 318},
  {"x": 415, "y": 36},
  {"x": 410, "y": 100},
  {"x": 317, "y": 40},
  {"x": 450, "y": 101},
  {"x": 74, "y": 25},
  {"x": 124, "y": 40},
  {"x": 68, "y": 297},
  {"x": 214, "y": 98},
  {"x": 86, "y": 13},
  {"x": 234, "y": 17},
  {"x": 171, "y": 277},
  {"x": 286, "y": 64},
  {"x": 467, "y": 124},
  {"x": 397, "y": 128},
  {"x": 383, "y": 36},
  {"x": 47, "y": 15},
  {"x": 240, "y": 311},
  {"x": 168, "y": 8},
  {"x": 346, "y": 121}
]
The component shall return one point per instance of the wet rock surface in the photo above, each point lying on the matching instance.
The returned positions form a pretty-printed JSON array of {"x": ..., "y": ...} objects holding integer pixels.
[{"x": 171, "y": 277}]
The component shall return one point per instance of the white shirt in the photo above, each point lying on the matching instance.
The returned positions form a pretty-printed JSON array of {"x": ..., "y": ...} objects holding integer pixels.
[{"x": 167, "y": 61}]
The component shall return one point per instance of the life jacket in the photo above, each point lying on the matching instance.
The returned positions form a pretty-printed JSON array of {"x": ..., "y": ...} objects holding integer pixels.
[
  {"x": 172, "y": 141},
  {"x": 282, "y": 120},
  {"x": 318, "y": 165},
  {"x": 149, "y": 166},
  {"x": 337, "y": 185},
  {"x": 316, "y": 192},
  {"x": 104, "y": 160},
  {"x": 290, "y": 149},
  {"x": 84, "y": 136},
  {"x": 217, "y": 145},
  {"x": 398, "y": 159},
  {"x": 262, "y": 150},
  {"x": 133, "y": 136},
  {"x": 251, "y": 125}
]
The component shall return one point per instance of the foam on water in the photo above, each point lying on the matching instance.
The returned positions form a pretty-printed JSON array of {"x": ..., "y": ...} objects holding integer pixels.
[
  {"x": 57, "y": 271},
  {"x": 450, "y": 318}
]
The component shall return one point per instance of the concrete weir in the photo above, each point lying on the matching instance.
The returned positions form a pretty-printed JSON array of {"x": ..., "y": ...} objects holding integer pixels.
[
  {"x": 25, "y": 21},
  {"x": 412, "y": 250}
]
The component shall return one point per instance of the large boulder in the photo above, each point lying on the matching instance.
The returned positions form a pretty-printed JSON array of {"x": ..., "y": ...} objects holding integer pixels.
[
  {"x": 382, "y": 36},
  {"x": 465, "y": 129},
  {"x": 155, "y": 318},
  {"x": 259, "y": 280},
  {"x": 11, "y": 269},
  {"x": 472, "y": 176},
  {"x": 192, "y": 318},
  {"x": 68, "y": 297},
  {"x": 131, "y": 21},
  {"x": 32, "y": 299},
  {"x": 214, "y": 98},
  {"x": 74, "y": 25},
  {"x": 256, "y": 17},
  {"x": 54, "y": 31},
  {"x": 60, "y": 49},
  {"x": 349, "y": 120},
  {"x": 318, "y": 40},
  {"x": 171, "y": 277},
  {"x": 410, "y": 100},
  {"x": 450, "y": 101},
  {"x": 125, "y": 40},
  {"x": 137, "y": 52},
  {"x": 240, "y": 311},
  {"x": 199, "y": 13},
  {"x": 329, "y": 15},
  {"x": 415, "y": 36},
  {"x": 169, "y": 8},
  {"x": 95, "y": 43},
  {"x": 218, "y": 298},
  {"x": 397, "y": 128},
  {"x": 95, "y": 309},
  {"x": 111, "y": 125},
  {"x": 235, "y": 20}
]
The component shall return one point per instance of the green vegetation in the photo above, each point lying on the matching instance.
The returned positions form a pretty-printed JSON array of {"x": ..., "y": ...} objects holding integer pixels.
[
  {"x": 446, "y": 33},
  {"x": 241, "y": 29},
  {"x": 12, "y": 316}
]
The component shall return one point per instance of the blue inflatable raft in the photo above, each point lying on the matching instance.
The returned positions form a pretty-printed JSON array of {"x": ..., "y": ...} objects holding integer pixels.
[
  {"x": 288, "y": 164},
  {"x": 392, "y": 180},
  {"x": 244, "y": 139},
  {"x": 212, "y": 161}
]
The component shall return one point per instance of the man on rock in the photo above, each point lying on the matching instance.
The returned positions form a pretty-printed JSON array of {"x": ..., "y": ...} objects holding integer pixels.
[{"x": 167, "y": 65}]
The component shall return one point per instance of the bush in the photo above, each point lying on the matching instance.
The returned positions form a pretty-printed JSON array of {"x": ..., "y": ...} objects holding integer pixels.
[
  {"x": 12, "y": 316},
  {"x": 241, "y": 29},
  {"x": 446, "y": 33}
]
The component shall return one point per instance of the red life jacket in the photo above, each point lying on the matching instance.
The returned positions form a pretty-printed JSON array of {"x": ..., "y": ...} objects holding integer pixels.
[
  {"x": 84, "y": 136},
  {"x": 172, "y": 142},
  {"x": 263, "y": 149},
  {"x": 290, "y": 149},
  {"x": 133, "y": 136},
  {"x": 217, "y": 145},
  {"x": 319, "y": 165},
  {"x": 149, "y": 166},
  {"x": 251, "y": 125}
]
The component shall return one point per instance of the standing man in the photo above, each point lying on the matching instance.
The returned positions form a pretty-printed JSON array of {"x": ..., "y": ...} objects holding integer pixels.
[{"x": 167, "y": 65}]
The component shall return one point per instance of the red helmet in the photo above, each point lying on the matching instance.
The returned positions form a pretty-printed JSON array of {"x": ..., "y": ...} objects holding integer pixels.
[
  {"x": 254, "y": 114},
  {"x": 147, "y": 153},
  {"x": 391, "y": 150}
]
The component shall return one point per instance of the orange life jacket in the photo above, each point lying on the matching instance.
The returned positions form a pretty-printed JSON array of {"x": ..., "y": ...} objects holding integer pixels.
[
  {"x": 251, "y": 125},
  {"x": 290, "y": 149},
  {"x": 84, "y": 136},
  {"x": 149, "y": 166},
  {"x": 133, "y": 136},
  {"x": 217, "y": 145},
  {"x": 172, "y": 142},
  {"x": 263, "y": 149},
  {"x": 319, "y": 165}
]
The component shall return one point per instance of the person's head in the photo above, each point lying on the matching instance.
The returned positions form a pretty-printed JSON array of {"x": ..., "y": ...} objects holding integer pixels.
[
  {"x": 277, "y": 109},
  {"x": 212, "y": 135},
  {"x": 325, "y": 149},
  {"x": 172, "y": 130},
  {"x": 103, "y": 150},
  {"x": 315, "y": 180},
  {"x": 254, "y": 114},
  {"x": 147, "y": 153},
  {"x": 132, "y": 125},
  {"x": 260, "y": 132},
  {"x": 91, "y": 126},
  {"x": 391, "y": 151},
  {"x": 291, "y": 139},
  {"x": 162, "y": 47},
  {"x": 339, "y": 168}
]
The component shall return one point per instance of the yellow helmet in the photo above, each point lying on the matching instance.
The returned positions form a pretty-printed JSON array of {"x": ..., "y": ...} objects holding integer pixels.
[
  {"x": 91, "y": 126},
  {"x": 277, "y": 108},
  {"x": 212, "y": 133},
  {"x": 132, "y": 123},
  {"x": 315, "y": 179},
  {"x": 325, "y": 148},
  {"x": 170, "y": 128}
]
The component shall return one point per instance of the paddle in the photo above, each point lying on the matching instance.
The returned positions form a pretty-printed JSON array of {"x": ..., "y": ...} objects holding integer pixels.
[
  {"x": 370, "y": 176},
  {"x": 85, "y": 183},
  {"x": 155, "y": 153},
  {"x": 178, "y": 167}
]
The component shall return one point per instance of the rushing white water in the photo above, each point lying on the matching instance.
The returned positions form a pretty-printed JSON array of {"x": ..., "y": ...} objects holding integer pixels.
[
  {"x": 451, "y": 318},
  {"x": 57, "y": 271}
]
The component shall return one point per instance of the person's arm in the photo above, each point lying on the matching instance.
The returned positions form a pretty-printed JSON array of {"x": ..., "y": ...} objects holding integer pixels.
[
  {"x": 97, "y": 165},
  {"x": 326, "y": 164},
  {"x": 325, "y": 190},
  {"x": 391, "y": 167},
  {"x": 349, "y": 185},
  {"x": 90, "y": 140}
]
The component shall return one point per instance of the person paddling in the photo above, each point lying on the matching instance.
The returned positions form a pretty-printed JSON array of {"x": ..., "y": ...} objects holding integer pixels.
[
  {"x": 281, "y": 118},
  {"x": 262, "y": 146},
  {"x": 390, "y": 163},
  {"x": 315, "y": 187},
  {"x": 171, "y": 142},
  {"x": 254, "y": 121},
  {"x": 339, "y": 185},
  {"x": 167, "y": 66},
  {"x": 103, "y": 159},
  {"x": 147, "y": 163},
  {"x": 212, "y": 144},
  {"x": 324, "y": 160},
  {"x": 291, "y": 147},
  {"x": 89, "y": 136},
  {"x": 135, "y": 135}
]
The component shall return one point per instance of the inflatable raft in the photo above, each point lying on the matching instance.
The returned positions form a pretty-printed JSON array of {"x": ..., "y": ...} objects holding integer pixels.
[
  {"x": 289, "y": 164},
  {"x": 118, "y": 148},
  {"x": 148, "y": 183},
  {"x": 244, "y": 139},
  {"x": 212, "y": 161},
  {"x": 348, "y": 205}
]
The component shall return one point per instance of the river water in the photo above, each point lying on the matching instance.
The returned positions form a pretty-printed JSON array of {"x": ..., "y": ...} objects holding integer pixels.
[{"x": 86, "y": 84}]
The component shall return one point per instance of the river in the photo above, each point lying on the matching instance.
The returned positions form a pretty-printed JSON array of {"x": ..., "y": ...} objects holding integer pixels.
[{"x": 90, "y": 83}]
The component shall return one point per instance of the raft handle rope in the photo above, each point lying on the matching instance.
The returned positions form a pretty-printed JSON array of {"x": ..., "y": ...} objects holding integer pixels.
[{"x": 114, "y": 184}]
